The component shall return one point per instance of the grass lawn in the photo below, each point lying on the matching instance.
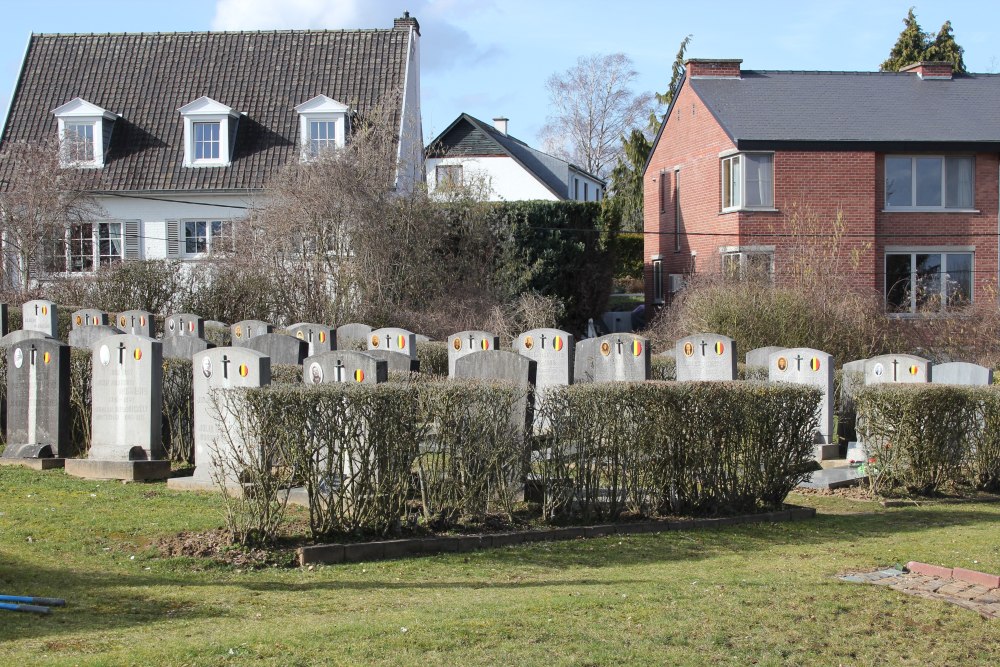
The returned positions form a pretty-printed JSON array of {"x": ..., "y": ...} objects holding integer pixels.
[{"x": 736, "y": 595}]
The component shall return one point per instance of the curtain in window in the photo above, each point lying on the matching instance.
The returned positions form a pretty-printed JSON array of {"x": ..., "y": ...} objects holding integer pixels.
[
  {"x": 959, "y": 182},
  {"x": 760, "y": 180}
]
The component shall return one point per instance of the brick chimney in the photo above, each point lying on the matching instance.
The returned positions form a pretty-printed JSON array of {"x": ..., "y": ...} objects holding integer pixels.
[
  {"x": 930, "y": 69},
  {"x": 501, "y": 125},
  {"x": 721, "y": 67},
  {"x": 405, "y": 22}
]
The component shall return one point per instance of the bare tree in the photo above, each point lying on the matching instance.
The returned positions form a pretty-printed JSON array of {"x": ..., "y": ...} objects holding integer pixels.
[
  {"x": 593, "y": 107},
  {"x": 39, "y": 200}
]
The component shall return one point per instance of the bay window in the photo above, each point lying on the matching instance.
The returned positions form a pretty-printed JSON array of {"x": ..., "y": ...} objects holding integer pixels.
[
  {"x": 929, "y": 182},
  {"x": 747, "y": 181}
]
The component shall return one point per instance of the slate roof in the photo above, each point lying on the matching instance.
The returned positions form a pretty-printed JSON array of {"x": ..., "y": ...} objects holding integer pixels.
[
  {"x": 874, "y": 110},
  {"x": 468, "y": 136},
  {"x": 146, "y": 77}
]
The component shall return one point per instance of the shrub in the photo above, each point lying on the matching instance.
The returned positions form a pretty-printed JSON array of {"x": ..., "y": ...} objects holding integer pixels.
[
  {"x": 662, "y": 368},
  {"x": 178, "y": 406},
  {"x": 151, "y": 285},
  {"x": 985, "y": 459},
  {"x": 433, "y": 356},
  {"x": 528, "y": 311},
  {"x": 80, "y": 382}
]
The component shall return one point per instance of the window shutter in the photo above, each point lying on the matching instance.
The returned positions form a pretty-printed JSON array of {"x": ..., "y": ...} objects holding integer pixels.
[
  {"x": 173, "y": 238},
  {"x": 132, "y": 251}
]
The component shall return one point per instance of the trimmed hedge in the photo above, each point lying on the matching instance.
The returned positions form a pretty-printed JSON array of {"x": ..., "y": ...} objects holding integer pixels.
[
  {"x": 926, "y": 438},
  {"x": 433, "y": 357}
]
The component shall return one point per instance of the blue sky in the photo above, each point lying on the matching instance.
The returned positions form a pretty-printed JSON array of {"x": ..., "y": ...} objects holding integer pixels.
[{"x": 490, "y": 58}]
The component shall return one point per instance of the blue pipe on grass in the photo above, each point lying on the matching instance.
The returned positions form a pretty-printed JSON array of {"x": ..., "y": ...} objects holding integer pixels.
[
  {"x": 24, "y": 607},
  {"x": 48, "y": 602}
]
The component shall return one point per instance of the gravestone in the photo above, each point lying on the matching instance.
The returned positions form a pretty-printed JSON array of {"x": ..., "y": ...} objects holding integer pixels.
[
  {"x": 86, "y": 336},
  {"x": 963, "y": 373},
  {"x": 621, "y": 357},
  {"x": 319, "y": 337},
  {"x": 583, "y": 364},
  {"x": 243, "y": 331},
  {"x": 138, "y": 322},
  {"x": 89, "y": 317},
  {"x": 502, "y": 365},
  {"x": 421, "y": 338},
  {"x": 217, "y": 369},
  {"x": 20, "y": 335},
  {"x": 394, "y": 340},
  {"x": 38, "y": 407},
  {"x": 554, "y": 352},
  {"x": 40, "y": 315},
  {"x": 184, "y": 347},
  {"x": 761, "y": 356},
  {"x": 4, "y": 322},
  {"x": 397, "y": 361},
  {"x": 897, "y": 369},
  {"x": 803, "y": 365},
  {"x": 126, "y": 412},
  {"x": 706, "y": 356},
  {"x": 353, "y": 331},
  {"x": 281, "y": 348},
  {"x": 184, "y": 324},
  {"x": 467, "y": 342},
  {"x": 344, "y": 366}
]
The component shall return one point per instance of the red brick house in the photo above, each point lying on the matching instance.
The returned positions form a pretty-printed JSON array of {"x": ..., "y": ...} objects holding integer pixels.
[{"x": 907, "y": 161}]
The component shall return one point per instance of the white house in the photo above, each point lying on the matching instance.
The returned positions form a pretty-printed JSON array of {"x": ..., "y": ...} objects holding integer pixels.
[
  {"x": 180, "y": 132},
  {"x": 471, "y": 152}
]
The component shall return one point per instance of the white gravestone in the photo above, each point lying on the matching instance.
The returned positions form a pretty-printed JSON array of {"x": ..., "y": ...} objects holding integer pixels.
[
  {"x": 761, "y": 356},
  {"x": 38, "y": 388},
  {"x": 87, "y": 336},
  {"x": 319, "y": 337},
  {"x": 621, "y": 357},
  {"x": 391, "y": 339},
  {"x": 344, "y": 366},
  {"x": 803, "y": 365},
  {"x": 184, "y": 347},
  {"x": 467, "y": 342},
  {"x": 897, "y": 369},
  {"x": 243, "y": 331},
  {"x": 706, "y": 357},
  {"x": 40, "y": 315},
  {"x": 583, "y": 363},
  {"x": 184, "y": 324},
  {"x": 554, "y": 353},
  {"x": 353, "y": 331},
  {"x": 89, "y": 317},
  {"x": 963, "y": 373},
  {"x": 138, "y": 322}
]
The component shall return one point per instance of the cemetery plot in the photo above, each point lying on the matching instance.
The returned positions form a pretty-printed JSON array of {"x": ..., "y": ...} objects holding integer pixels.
[
  {"x": 319, "y": 337},
  {"x": 40, "y": 315},
  {"x": 38, "y": 388},
  {"x": 706, "y": 357}
]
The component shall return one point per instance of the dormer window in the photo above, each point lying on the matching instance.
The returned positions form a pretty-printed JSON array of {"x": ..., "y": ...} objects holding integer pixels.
[
  {"x": 322, "y": 125},
  {"x": 209, "y": 133},
  {"x": 84, "y": 133}
]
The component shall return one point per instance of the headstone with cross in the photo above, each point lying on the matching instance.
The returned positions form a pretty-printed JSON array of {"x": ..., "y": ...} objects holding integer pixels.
[
  {"x": 706, "y": 356},
  {"x": 184, "y": 347},
  {"x": 319, "y": 337},
  {"x": 184, "y": 324},
  {"x": 554, "y": 352},
  {"x": 243, "y": 331},
  {"x": 40, "y": 315},
  {"x": 621, "y": 357},
  {"x": 218, "y": 369},
  {"x": 38, "y": 407},
  {"x": 760, "y": 357},
  {"x": 88, "y": 317},
  {"x": 467, "y": 342},
  {"x": 344, "y": 366},
  {"x": 803, "y": 365},
  {"x": 282, "y": 348},
  {"x": 392, "y": 339},
  {"x": 88, "y": 336},
  {"x": 138, "y": 322},
  {"x": 897, "y": 369}
]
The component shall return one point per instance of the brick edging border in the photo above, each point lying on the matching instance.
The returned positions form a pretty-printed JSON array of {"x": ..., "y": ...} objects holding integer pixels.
[
  {"x": 328, "y": 554},
  {"x": 968, "y": 576}
]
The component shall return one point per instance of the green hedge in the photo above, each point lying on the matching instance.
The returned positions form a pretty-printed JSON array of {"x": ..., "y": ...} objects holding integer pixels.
[
  {"x": 629, "y": 255},
  {"x": 924, "y": 439},
  {"x": 433, "y": 357}
]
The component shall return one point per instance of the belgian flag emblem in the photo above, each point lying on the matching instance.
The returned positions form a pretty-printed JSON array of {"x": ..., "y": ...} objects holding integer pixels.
[
  {"x": 485, "y": 343},
  {"x": 720, "y": 347},
  {"x": 401, "y": 342},
  {"x": 322, "y": 336},
  {"x": 359, "y": 375},
  {"x": 914, "y": 370},
  {"x": 47, "y": 357},
  {"x": 557, "y": 343},
  {"x": 137, "y": 354},
  {"x": 814, "y": 363},
  {"x": 636, "y": 348},
  {"x": 244, "y": 370}
]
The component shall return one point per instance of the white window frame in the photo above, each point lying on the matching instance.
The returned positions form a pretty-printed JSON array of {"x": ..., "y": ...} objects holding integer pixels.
[
  {"x": 742, "y": 255},
  {"x": 211, "y": 238},
  {"x": 913, "y": 184},
  {"x": 444, "y": 168},
  {"x": 79, "y": 111},
  {"x": 944, "y": 251},
  {"x": 95, "y": 247},
  {"x": 740, "y": 205},
  {"x": 206, "y": 110},
  {"x": 321, "y": 109},
  {"x": 657, "y": 262}
]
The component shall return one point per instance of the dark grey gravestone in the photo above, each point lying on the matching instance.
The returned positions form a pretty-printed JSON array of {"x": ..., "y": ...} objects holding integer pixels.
[
  {"x": 897, "y": 369},
  {"x": 89, "y": 317},
  {"x": 761, "y": 356},
  {"x": 184, "y": 324},
  {"x": 20, "y": 335},
  {"x": 221, "y": 368},
  {"x": 503, "y": 365},
  {"x": 319, "y": 337},
  {"x": 40, "y": 315},
  {"x": 244, "y": 330},
  {"x": 621, "y": 357},
  {"x": 88, "y": 336},
  {"x": 397, "y": 361},
  {"x": 706, "y": 357},
  {"x": 184, "y": 347},
  {"x": 962, "y": 373},
  {"x": 127, "y": 400},
  {"x": 467, "y": 342},
  {"x": 803, "y": 365},
  {"x": 281, "y": 348},
  {"x": 344, "y": 366},
  {"x": 4, "y": 322},
  {"x": 394, "y": 340},
  {"x": 353, "y": 331},
  {"x": 583, "y": 364},
  {"x": 554, "y": 352},
  {"x": 38, "y": 417},
  {"x": 138, "y": 322}
]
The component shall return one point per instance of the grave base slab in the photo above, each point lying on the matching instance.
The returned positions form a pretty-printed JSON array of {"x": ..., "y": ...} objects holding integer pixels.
[
  {"x": 35, "y": 464},
  {"x": 190, "y": 483},
  {"x": 128, "y": 471},
  {"x": 834, "y": 478},
  {"x": 827, "y": 452}
]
